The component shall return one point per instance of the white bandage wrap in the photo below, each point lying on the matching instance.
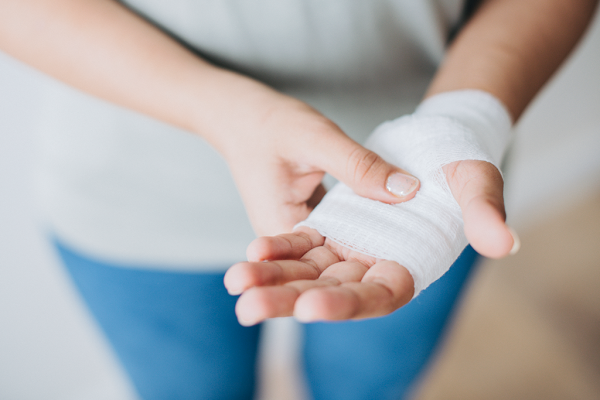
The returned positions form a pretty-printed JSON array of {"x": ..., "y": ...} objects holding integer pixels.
[{"x": 424, "y": 234}]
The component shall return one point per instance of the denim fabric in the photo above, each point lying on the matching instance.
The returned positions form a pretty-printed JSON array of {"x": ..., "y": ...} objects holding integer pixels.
[
  {"x": 177, "y": 336},
  {"x": 175, "y": 333}
]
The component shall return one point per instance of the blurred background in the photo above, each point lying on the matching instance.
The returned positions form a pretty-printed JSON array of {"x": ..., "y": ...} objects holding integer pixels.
[{"x": 529, "y": 327}]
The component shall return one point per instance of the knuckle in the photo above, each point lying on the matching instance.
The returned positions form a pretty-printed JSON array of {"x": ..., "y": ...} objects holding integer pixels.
[
  {"x": 313, "y": 266},
  {"x": 308, "y": 244},
  {"x": 363, "y": 163}
]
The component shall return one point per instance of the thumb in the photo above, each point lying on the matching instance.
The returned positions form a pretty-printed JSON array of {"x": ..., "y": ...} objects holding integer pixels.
[
  {"x": 477, "y": 186},
  {"x": 366, "y": 173}
]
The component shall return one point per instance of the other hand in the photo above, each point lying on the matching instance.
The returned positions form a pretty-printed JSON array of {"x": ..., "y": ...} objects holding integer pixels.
[{"x": 279, "y": 148}]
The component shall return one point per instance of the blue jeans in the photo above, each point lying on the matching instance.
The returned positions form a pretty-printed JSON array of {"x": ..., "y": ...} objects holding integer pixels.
[{"x": 177, "y": 336}]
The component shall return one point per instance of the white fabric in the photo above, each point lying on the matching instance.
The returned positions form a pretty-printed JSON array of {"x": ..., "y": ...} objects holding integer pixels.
[
  {"x": 424, "y": 234},
  {"x": 123, "y": 187}
]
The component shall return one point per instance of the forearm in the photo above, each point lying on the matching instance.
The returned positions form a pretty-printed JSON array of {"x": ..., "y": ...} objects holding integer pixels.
[
  {"x": 102, "y": 48},
  {"x": 510, "y": 48}
]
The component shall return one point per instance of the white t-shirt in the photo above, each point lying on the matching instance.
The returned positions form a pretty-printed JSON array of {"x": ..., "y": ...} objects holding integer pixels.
[{"x": 126, "y": 188}]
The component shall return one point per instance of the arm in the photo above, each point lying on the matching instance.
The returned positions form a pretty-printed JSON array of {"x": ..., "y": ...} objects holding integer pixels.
[
  {"x": 510, "y": 48},
  {"x": 278, "y": 148},
  {"x": 102, "y": 48}
]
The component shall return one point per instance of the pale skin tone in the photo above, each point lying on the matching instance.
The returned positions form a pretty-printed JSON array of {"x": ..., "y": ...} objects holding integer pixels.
[
  {"x": 278, "y": 148},
  {"x": 510, "y": 48}
]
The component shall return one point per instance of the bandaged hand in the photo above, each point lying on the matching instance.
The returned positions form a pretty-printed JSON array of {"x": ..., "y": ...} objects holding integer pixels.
[{"x": 354, "y": 257}]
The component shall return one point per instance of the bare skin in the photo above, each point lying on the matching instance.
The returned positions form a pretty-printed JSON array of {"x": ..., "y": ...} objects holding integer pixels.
[
  {"x": 510, "y": 48},
  {"x": 314, "y": 278},
  {"x": 278, "y": 148}
]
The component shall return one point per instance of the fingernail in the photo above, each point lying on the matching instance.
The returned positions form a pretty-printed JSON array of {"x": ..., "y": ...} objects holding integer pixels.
[
  {"x": 516, "y": 241},
  {"x": 234, "y": 292},
  {"x": 400, "y": 184}
]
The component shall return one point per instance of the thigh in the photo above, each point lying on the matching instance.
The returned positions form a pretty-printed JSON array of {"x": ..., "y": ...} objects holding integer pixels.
[
  {"x": 381, "y": 358},
  {"x": 176, "y": 334}
]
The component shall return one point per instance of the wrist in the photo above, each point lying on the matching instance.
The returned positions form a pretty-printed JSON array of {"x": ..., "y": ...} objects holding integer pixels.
[
  {"x": 481, "y": 112},
  {"x": 229, "y": 108}
]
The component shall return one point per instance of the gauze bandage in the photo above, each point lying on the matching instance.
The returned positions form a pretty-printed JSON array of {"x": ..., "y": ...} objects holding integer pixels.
[{"x": 424, "y": 234}]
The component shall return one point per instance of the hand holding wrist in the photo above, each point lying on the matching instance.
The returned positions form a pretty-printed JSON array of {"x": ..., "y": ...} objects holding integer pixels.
[{"x": 278, "y": 149}]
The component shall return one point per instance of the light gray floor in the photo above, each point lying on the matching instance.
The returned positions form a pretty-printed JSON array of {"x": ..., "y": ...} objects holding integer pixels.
[{"x": 49, "y": 348}]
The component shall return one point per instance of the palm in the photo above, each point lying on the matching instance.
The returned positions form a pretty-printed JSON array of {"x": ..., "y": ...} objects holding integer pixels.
[{"x": 315, "y": 278}]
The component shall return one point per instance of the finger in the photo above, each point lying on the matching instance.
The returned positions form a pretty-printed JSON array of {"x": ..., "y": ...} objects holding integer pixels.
[
  {"x": 290, "y": 246},
  {"x": 477, "y": 186},
  {"x": 345, "y": 271},
  {"x": 365, "y": 172},
  {"x": 345, "y": 253},
  {"x": 384, "y": 288},
  {"x": 260, "y": 303},
  {"x": 243, "y": 276},
  {"x": 277, "y": 196}
]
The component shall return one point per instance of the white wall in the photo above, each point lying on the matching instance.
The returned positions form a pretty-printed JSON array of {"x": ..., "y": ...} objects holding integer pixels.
[
  {"x": 49, "y": 348},
  {"x": 47, "y": 340}
]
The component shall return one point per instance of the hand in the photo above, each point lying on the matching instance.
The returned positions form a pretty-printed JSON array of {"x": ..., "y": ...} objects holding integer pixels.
[
  {"x": 314, "y": 278},
  {"x": 279, "y": 148}
]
